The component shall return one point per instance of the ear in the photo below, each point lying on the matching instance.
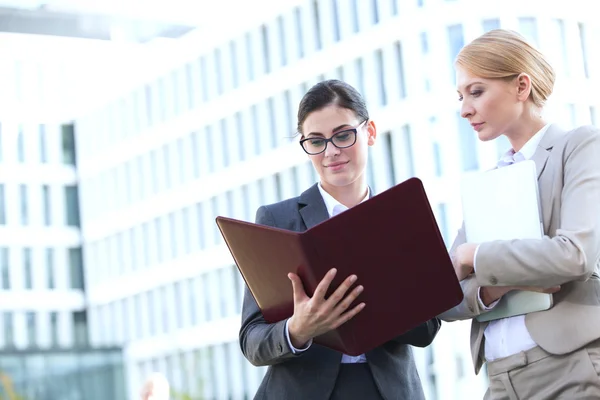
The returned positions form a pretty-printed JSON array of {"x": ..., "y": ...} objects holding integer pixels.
[
  {"x": 523, "y": 86},
  {"x": 371, "y": 133}
]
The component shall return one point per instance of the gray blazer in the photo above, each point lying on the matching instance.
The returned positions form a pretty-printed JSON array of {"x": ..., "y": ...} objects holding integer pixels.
[
  {"x": 312, "y": 374},
  {"x": 568, "y": 168}
]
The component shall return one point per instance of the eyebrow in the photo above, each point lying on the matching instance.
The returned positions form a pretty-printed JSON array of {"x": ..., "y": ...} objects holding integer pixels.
[
  {"x": 332, "y": 131},
  {"x": 471, "y": 84}
]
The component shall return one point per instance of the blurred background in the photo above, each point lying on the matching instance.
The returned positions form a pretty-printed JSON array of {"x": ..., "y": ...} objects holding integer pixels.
[{"x": 127, "y": 126}]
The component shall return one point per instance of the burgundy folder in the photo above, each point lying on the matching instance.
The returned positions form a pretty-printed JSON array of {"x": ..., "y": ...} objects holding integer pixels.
[{"x": 391, "y": 242}]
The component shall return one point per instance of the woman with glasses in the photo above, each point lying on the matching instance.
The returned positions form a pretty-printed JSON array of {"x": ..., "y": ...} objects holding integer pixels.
[{"x": 336, "y": 133}]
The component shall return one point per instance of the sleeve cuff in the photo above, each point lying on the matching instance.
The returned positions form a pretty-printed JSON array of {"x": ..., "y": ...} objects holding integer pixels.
[
  {"x": 487, "y": 308},
  {"x": 289, "y": 342}
]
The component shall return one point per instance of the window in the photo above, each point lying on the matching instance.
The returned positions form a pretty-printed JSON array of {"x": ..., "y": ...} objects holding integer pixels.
[
  {"x": 24, "y": 205},
  {"x": 31, "y": 329},
  {"x": 528, "y": 28},
  {"x": 318, "y": 41},
  {"x": 2, "y": 206},
  {"x": 5, "y": 268},
  {"x": 54, "y": 329},
  {"x": 375, "y": 11},
  {"x": 50, "y": 269},
  {"x": 424, "y": 43},
  {"x": 9, "y": 338},
  {"x": 593, "y": 117},
  {"x": 584, "y": 49},
  {"x": 381, "y": 74},
  {"x": 1, "y": 142},
  {"x": 299, "y": 26},
  {"x": 336, "y": 20},
  {"x": 355, "y": 16},
  {"x": 68, "y": 144},
  {"x": 76, "y": 268},
  {"x": 437, "y": 158},
  {"x": 20, "y": 146},
  {"x": 443, "y": 221},
  {"x": 27, "y": 272},
  {"x": 456, "y": 41},
  {"x": 43, "y": 149},
  {"x": 80, "y": 330},
  {"x": 249, "y": 57},
  {"x": 46, "y": 201},
  {"x": 490, "y": 24},
  {"x": 400, "y": 61},
  {"x": 72, "y": 205},
  {"x": 264, "y": 36}
]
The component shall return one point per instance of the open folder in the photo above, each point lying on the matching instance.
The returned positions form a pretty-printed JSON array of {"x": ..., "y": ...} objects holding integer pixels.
[
  {"x": 503, "y": 204},
  {"x": 391, "y": 242}
]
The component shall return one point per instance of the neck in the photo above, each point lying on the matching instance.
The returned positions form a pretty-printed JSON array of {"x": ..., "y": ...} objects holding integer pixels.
[
  {"x": 522, "y": 131},
  {"x": 349, "y": 195}
]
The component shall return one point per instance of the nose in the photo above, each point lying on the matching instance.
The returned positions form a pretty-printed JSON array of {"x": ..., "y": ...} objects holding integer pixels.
[
  {"x": 466, "y": 110},
  {"x": 331, "y": 150}
]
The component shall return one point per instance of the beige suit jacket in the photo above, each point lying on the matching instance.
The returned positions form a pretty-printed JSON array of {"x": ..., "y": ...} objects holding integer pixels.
[{"x": 568, "y": 167}]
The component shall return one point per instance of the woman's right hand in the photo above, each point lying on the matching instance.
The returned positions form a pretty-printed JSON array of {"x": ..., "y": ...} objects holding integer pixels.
[
  {"x": 313, "y": 316},
  {"x": 490, "y": 294}
]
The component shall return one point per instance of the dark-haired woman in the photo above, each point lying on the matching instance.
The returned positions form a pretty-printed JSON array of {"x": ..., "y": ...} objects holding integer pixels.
[{"x": 335, "y": 132}]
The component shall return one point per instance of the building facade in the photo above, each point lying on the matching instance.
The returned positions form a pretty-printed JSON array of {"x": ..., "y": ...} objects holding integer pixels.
[{"x": 207, "y": 131}]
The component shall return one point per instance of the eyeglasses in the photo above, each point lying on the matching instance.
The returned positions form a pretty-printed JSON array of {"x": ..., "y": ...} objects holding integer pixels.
[{"x": 341, "y": 140}]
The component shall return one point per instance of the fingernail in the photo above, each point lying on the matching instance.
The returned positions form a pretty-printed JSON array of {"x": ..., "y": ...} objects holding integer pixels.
[
  {"x": 333, "y": 270},
  {"x": 360, "y": 288},
  {"x": 353, "y": 278}
]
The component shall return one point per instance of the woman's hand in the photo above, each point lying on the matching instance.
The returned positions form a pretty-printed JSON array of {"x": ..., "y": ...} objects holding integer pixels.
[
  {"x": 313, "y": 316},
  {"x": 464, "y": 260}
]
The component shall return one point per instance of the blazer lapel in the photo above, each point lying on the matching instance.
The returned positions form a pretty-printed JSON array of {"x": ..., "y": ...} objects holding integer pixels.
[
  {"x": 312, "y": 207},
  {"x": 543, "y": 151}
]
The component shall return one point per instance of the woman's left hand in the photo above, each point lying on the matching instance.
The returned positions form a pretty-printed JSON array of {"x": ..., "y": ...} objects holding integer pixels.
[{"x": 464, "y": 259}]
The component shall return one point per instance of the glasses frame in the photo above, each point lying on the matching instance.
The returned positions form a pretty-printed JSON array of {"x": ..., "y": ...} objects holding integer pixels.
[{"x": 330, "y": 140}]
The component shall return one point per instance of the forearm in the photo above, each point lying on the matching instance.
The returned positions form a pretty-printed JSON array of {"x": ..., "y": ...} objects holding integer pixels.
[{"x": 469, "y": 307}]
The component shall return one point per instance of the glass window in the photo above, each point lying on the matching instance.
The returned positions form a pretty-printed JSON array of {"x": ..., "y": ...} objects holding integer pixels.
[
  {"x": 298, "y": 25},
  {"x": 437, "y": 158},
  {"x": 80, "y": 330},
  {"x": 20, "y": 145},
  {"x": 381, "y": 75},
  {"x": 31, "y": 329},
  {"x": 24, "y": 204},
  {"x": 54, "y": 329},
  {"x": 528, "y": 28},
  {"x": 317, "y": 33},
  {"x": 9, "y": 338},
  {"x": 400, "y": 63},
  {"x": 43, "y": 147},
  {"x": 72, "y": 205},
  {"x": 594, "y": 116},
  {"x": 76, "y": 268},
  {"x": 218, "y": 65},
  {"x": 5, "y": 267},
  {"x": 374, "y": 7},
  {"x": 46, "y": 201},
  {"x": 490, "y": 24},
  {"x": 355, "y": 18},
  {"x": 443, "y": 222},
  {"x": 335, "y": 15},
  {"x": 584, "y": 49},
  {"x": 233, "y": 64},
  {"x": 456, "y": 42},
  {"x": 50, "y": 269},
  {"x": 68, "y": 144},
  {"x": 1, "y": 142},
  {"x": 27, "y": 272},
  {"x": 264, "y": 36},
  {"x": 2, "y": 206}
]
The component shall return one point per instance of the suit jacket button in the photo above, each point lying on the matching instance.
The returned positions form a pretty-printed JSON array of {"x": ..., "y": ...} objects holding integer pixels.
[{"x": 493, "y": 280}]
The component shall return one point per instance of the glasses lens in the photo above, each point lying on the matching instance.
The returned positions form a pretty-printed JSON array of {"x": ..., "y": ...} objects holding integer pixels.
[
  {"x": 313, "y": 146},
  {"x": 344, "y": 138}
]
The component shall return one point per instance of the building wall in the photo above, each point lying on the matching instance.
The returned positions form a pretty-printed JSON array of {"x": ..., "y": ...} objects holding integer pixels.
[{"x": 211, "y": 134}]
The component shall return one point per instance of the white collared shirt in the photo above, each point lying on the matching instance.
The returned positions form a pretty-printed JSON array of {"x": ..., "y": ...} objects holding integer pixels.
[
  {"x": 507, "y": 336},
  {"x": 334, "y": 207}
]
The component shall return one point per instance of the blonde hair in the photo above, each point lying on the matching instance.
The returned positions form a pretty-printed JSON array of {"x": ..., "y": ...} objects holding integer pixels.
[{"x": 504, "y": 54}]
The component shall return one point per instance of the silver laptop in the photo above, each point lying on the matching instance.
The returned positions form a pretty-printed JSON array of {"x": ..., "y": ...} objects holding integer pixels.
[{"x": 503, "y": 204}]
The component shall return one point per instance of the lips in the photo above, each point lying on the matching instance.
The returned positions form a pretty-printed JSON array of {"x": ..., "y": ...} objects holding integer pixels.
[
  {"x": 336, "y": 166},
  {"x": 477, "y": 126}
]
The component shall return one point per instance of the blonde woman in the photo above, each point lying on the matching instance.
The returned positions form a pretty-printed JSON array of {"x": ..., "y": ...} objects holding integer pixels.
[{"x": 503, "y": 83}]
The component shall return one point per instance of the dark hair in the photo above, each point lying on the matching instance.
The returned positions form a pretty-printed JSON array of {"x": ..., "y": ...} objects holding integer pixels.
[{"x": 330, "y": 92}]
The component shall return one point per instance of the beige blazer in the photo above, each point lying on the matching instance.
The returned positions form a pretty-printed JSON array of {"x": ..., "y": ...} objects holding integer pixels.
[{"x": 568, "y": 167}]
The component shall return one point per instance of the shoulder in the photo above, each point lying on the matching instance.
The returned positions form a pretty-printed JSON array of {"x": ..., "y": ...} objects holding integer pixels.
[
  {"x": 276, "y": 214},
  {"x": 581, "y": 135}
]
